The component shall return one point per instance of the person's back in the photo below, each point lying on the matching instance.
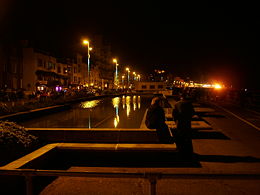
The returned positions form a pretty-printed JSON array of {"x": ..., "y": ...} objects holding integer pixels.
[
  {"x": 155, "y": 116},
  {"x": 182, "y": 115},
  {"x": 155, "y": 119}
]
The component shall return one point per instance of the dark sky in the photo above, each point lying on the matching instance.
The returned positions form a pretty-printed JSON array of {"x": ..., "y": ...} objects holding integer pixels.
[{"x": 217, "y": 41}]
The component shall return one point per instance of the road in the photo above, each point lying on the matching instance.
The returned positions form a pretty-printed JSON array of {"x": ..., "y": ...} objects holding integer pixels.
[{"x": 230, "y": 147}]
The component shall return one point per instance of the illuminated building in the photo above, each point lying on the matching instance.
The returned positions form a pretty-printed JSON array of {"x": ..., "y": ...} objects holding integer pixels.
[{"x": 40, "y": 69}]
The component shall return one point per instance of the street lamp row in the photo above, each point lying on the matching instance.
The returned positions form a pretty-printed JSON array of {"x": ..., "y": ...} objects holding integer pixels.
[
  {"x": 136, "y": 77},
  {"x": 86, "y": 42}
]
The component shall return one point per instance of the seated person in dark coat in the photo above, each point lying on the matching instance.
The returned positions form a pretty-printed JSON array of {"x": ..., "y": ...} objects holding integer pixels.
[{"x": 155, "y": 119}]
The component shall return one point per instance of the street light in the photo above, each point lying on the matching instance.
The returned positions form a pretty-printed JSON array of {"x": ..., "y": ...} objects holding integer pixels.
[
  {"x": 86, "y": 42},
  {"x": 128, "y": 71},
  {"x": 139, "y": 77},
  {"x": 116, "y": 75},
  {"x": 134, "y": 75},
  {"x": 123, "y": 77}
]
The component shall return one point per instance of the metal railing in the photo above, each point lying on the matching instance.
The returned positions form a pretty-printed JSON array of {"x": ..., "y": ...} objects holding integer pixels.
[{"x": 152, "y": 177}]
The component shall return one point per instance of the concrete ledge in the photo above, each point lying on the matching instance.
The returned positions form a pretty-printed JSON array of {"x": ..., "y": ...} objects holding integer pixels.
[
  {"x": 147, "y": 147},
  {"x": 87, "y": 146},
  {"x": 95, "y": 135},
  {"x": 44, "y": 154},
  {"x": 118, "y": 147},
  {"x": 29, "y": 157}
]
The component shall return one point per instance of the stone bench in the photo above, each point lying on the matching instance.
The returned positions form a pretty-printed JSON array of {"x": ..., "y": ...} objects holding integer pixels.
[{"x": 81, "y": 152}]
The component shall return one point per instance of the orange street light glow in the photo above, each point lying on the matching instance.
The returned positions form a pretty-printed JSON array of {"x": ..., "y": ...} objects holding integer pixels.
[
  {"x": 85, "y": 42},
  {"x": 217, "y": 86}
]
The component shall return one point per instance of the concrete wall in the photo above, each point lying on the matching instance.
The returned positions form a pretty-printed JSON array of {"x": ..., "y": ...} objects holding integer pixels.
[{"x": 81, "y": 135}]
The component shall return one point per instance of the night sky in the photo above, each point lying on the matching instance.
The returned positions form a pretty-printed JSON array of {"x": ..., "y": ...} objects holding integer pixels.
[{"x": 217, "y": 41}]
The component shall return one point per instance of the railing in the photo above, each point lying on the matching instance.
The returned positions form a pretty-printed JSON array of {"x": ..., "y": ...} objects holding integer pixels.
[{"x": 152, "y": 177}]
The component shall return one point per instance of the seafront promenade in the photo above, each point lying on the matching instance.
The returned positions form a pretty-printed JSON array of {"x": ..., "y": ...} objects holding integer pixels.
[{"x": 131, "y": 161}]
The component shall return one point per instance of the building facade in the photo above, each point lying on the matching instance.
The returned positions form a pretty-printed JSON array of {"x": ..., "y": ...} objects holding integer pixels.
[
  {"x": 102, "y": 62},
  {"x": 31, "y": 69},
  {"x": 43, "y": 71},
  {"x": 11, "y": 68}
]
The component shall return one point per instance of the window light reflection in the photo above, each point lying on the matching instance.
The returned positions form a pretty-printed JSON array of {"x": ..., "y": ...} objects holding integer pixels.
[
  {"x": 90, "y": 104},
  {"x": 128, "y": 105},
  {"x": 116, "y": 101},
  {"x": 134, "y": 102},
  {"x": 139, "y": 102}
]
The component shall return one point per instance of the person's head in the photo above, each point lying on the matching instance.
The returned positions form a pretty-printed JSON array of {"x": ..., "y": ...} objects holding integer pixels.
[{"x": 155, "y": 101}]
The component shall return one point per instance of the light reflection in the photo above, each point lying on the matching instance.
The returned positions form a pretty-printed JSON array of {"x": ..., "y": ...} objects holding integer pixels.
[
  {"x": 90, "y": 104},
  {"x": 116, "y": 121},
  {"x": 123, "y": 101},
  {"x": 116, "y": 102},
  {"x": 139, "y": 102},
  {"x": 128, "y": 105},
  {"x": 89, "y": 120},
  {"x": 134, "y": 102}
]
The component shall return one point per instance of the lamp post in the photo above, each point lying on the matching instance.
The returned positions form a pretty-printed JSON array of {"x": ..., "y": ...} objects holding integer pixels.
[
  {"x": 116, "y": 72},
  {"x": 128, "y": 71},
  {"x": 134, "y": 75},
  {"x": 123, "y": 77},
  {"x": 86, "y": 42}
]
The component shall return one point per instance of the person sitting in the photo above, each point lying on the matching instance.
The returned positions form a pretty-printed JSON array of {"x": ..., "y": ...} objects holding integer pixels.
[{"x": 155, "y": 119}]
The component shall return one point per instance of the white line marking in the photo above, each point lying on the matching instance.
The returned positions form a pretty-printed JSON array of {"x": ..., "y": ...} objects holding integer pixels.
[{"x": 247, "y": 122}]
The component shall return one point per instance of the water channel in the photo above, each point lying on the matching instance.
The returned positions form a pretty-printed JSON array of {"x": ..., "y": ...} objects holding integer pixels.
[{"x": 118, "y": 112}]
